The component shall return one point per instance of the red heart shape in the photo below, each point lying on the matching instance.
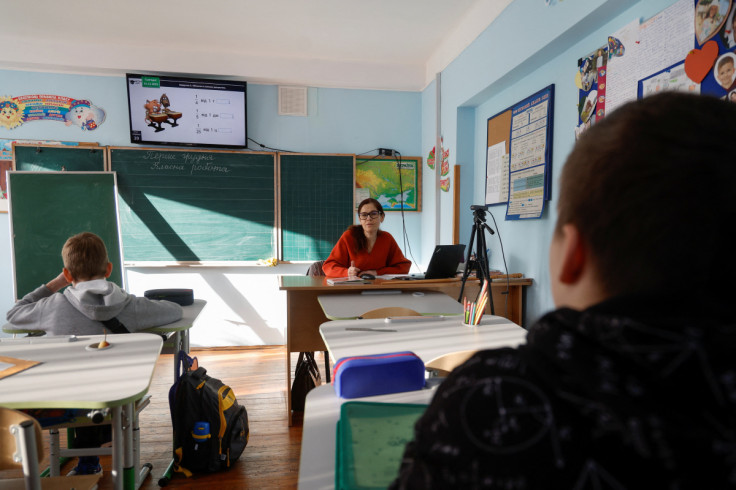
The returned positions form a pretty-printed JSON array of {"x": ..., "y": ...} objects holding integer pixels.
[{"x": 698, "y": 62}]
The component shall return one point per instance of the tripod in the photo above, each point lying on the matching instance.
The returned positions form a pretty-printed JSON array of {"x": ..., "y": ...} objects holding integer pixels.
[{"x": 480, "y": 264}]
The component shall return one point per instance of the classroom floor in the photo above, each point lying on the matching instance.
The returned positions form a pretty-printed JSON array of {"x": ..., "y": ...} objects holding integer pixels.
[{"x": 271, "y": 459}]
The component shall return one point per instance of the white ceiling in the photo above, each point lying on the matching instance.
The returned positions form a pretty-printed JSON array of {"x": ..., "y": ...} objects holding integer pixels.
[{"x": 381, "y": 44}]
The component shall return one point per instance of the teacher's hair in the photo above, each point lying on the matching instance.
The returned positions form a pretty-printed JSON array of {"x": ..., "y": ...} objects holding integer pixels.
[
  {"x": 356, "y": 231},
  {"x": 650, "y": 189}
]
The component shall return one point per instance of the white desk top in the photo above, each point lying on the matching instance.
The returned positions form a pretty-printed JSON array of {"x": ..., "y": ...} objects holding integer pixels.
[
  {"x": 70, "y": 376},
  {"x": 322, "y": 411},
  {"x": 427, "y": 338},
  {"x": 352, "y": 305},
  {"x": 189, "y": 316}
]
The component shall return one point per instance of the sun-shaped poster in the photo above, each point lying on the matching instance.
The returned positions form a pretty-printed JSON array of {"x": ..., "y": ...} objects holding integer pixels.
[{"x": 11, "y": 112}]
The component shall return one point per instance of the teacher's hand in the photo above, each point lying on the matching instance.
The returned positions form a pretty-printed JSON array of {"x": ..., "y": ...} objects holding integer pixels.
[{"x": 352, "y": 270}]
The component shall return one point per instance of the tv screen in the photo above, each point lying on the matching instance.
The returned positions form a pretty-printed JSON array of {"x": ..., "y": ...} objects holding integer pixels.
[{"x": 187, "y": 111}]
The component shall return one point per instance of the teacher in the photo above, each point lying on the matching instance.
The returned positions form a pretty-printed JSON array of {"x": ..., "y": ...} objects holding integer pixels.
[{"x": 365, "y": 249}]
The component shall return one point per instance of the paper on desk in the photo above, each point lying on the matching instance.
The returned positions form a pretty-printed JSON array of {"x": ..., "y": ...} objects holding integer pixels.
[{"x": 347, "y": 280}]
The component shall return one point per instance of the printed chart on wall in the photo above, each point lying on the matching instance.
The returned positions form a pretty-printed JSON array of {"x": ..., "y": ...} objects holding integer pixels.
[{"x": 519, "y": 156}]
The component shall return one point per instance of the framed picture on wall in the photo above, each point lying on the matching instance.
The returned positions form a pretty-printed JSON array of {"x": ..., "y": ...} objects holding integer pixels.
[{"x": 380, "y": 178}]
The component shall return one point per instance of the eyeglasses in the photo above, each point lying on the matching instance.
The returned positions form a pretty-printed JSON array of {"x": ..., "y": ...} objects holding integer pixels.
[{"x": 371, "y": 215}]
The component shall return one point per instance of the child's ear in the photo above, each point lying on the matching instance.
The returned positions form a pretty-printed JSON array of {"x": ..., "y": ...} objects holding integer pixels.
[
  {"x": 67, "y": 275},
  {"x": 108, "y": 270},
  {"x": 574, "y": 255}
]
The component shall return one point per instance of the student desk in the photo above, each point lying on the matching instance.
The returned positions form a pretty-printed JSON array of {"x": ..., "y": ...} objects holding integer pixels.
[
  {"x": 351, "y": 305},
  {"x": 322, "y": 411},
  {"x": 304, "y": 314},
  {"x": 72, "y": 376},
  {"x": 179, "y": 328},
  {"x": 427, "y": 338}
]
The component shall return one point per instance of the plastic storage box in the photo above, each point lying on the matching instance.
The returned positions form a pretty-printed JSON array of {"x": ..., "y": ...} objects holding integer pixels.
[{"x": 370, "y": 442}]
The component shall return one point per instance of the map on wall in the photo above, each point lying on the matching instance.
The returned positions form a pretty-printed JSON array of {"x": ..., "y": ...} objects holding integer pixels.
[{"x": 379, "y": 178}]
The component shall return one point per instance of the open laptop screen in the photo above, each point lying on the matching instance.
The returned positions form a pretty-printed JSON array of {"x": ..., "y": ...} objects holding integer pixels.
[{"x": 444, "y": 261}]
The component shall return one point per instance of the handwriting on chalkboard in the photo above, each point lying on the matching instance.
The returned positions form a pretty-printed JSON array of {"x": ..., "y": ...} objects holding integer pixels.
[{"x": 194, "y": 162}]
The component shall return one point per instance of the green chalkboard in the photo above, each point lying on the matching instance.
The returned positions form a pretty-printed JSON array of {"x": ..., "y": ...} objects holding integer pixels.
[
  {"x": 46, "y": 208},
  {"x": 317, "y": 203},
  {"x": 57, "y": 157},
  {"x": 195, "y": 205}
]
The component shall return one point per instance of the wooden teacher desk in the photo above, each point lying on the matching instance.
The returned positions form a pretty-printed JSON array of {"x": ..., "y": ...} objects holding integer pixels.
[
  {"x": 304, "y": 313},
  {"x": 71, "y": 375},
  {"x": 349, "y": 306}
]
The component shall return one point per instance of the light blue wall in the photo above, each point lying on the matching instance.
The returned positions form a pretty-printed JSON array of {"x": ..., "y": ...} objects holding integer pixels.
[
  {"x": 338, "y": 121},
  {"x": 527, "y": 48}
]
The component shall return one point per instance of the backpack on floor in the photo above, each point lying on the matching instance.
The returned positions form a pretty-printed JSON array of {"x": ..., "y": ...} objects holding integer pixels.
[{"x": 210, "y": 426}]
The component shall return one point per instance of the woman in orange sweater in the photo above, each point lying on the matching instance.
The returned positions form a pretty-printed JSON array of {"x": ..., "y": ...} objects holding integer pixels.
[{"x": 365, "y": 249}]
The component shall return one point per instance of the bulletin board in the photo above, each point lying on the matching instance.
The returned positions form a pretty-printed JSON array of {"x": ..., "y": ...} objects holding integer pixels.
[
  {"x": 687, "y": 47},
  {"x": 519, "y": 156}
]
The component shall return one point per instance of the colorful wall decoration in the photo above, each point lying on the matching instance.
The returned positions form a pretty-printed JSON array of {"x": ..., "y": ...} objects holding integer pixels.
[{"x": 82, "y": 113}]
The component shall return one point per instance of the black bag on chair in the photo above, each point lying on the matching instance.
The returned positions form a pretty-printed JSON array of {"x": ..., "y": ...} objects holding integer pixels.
[{"x": 306, "y": 377}]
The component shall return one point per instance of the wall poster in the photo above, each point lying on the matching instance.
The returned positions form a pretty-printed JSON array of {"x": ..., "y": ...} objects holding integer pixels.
[{"x": 519, "y": 156}]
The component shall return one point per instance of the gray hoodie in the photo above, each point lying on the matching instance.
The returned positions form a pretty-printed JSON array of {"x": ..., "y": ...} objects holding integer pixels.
[{"x": 81, "y": 308}]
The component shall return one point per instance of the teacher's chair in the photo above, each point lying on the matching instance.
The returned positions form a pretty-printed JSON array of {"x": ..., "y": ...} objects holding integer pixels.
[{"x": 21, "y": 446}]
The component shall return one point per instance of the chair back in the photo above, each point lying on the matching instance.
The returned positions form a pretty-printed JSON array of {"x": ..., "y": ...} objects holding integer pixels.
[
  {"x": 442, "y": 365},
  {"x": 316, "y": 269},
  {"x": 21, "y": 445},
  {"x": 8, "y": 446},
  {"x": 389, "y": 311}
]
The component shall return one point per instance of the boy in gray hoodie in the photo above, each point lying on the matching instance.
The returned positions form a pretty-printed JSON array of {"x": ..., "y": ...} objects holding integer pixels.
[
  {"x": 90, "y": 300},
  {"x": 81, "y": 309}
]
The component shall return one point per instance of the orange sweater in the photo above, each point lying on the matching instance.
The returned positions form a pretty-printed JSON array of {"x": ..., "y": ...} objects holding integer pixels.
[{"x": 385, "y": 258}]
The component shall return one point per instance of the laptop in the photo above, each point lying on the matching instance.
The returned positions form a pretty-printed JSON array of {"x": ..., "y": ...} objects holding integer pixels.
[{"x": 443, "y": 264}]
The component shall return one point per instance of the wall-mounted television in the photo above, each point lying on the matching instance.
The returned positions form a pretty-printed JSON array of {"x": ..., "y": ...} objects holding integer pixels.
[{"x": 186, "y": 111}]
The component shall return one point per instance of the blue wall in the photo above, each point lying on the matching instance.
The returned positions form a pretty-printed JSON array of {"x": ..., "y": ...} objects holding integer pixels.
[{"x": 527, "y": 48}]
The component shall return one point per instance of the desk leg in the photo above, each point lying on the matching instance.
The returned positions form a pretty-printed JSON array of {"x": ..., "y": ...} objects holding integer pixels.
[
  {"x": 181, "y": 342},
  {"x": 177, "y": 346},
  {"x": 117, "y": 448},
  {"x": 290, "y": 319},
  {"x": 185, "y": 340},
  {"x": 129, "y": 469},
  {"x": 288, "y": 385}
]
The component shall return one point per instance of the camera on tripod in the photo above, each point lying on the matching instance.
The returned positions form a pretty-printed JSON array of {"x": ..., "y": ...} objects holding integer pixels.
[{"x": 479, "y": 263}]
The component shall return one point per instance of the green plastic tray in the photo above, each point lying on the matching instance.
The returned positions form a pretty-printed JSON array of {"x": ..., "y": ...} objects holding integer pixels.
[{"x": 370, "y": 442}]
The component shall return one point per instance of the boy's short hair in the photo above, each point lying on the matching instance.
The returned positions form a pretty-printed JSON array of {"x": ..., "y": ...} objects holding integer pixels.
[
  {"x": 85, "y": 256},
  {"x": 650, "y": 189},
  {"x": 725, "y": 60}
]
